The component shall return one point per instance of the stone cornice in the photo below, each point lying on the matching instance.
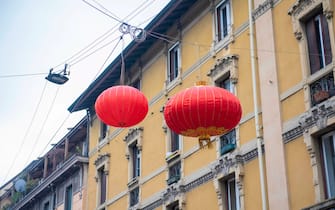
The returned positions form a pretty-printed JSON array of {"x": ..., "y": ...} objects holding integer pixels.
[
  {"x": 316, "y": 116},
  {"x": 262, "y": 8}
]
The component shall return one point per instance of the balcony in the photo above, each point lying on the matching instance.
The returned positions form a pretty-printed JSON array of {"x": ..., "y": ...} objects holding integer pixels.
[
  {"x": 322, "y": 89},
  {"x": 173, "y": 179},
  {"x": 67, "y": 168}
]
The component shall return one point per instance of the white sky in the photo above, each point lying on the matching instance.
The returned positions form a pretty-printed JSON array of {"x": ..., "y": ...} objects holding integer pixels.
[{"x": 35, "y": 36}]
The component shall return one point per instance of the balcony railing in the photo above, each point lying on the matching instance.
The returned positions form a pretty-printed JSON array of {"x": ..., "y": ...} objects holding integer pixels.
[
  {"x": 173, "y": 179},
  {"x": 322, "y": 89}
]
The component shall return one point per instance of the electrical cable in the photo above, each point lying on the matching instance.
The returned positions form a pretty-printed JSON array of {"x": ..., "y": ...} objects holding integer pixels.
[
  {"x": 27, "y": 131},
  {"x": 110, "y": 54},
  {"x": 104, "y": 36},
  {"x": 103, "y": 12},
  {"x": 21, "y": 75},
  {"x": 46, "y": 146},
  {"x": 74, "y": 63},
  {"x": 43, "y": 124}
]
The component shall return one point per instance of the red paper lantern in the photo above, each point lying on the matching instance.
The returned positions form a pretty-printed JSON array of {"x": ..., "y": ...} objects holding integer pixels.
[
  {"x": 121, "y": 106},
  {"x": 202, "y": 111}
]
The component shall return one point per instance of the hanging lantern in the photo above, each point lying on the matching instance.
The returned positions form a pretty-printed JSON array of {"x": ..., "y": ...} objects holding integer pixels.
[
  {"x": 121, "y": 106},
  {"x": 202, "y": 111}
]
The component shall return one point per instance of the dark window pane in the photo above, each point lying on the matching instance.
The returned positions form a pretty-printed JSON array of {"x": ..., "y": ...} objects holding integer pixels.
[
  {"x": 174, "y": 141},
  {"x": 103, "y": 183},
  {"x": 228, "y": 142},
  {"x": 318, "y": 41},
  {"x": 68, "y": 198},
  {"x": 134, "y": 196},
  {"x": 174, "y": 173}
]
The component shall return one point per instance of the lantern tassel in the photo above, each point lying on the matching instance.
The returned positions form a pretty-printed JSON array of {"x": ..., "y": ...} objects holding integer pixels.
[{"x": 204, "y": 140}]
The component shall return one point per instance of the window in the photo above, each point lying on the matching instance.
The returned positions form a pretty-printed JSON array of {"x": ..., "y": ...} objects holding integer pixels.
[
  {"x": 319, "y": 48},
  {"x": 174, "y": 141},
  {"x": 230, "y": 193},
  {"x": 103, "y": 131},
  {"x": 134, "y": 196},
  {"x": 137, "y": 84},
  {"x": 46, "y": 206},
  {"x": 173, "y": 206},
  {"x": 68, "y": 198},
  {"x": 228, "y": 142},
  {"x": 225, "y": 83},
  {"x": 223, "y": 21},
  {"x": 135, "y": 159},
  {"x": 174, "y": 62},
  {"x": 328, "y": 157},
  {"x": 102, "y": 185},
  {"x": 174, "y": 173}
]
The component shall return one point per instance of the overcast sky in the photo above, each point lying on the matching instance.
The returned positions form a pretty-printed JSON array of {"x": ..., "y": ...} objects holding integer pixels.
[{"x": 35, "y": 36}]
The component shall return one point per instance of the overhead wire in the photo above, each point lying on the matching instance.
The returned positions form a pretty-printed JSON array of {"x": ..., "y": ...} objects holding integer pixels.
[
  {"x": 105, "y": 13},
  {"x": 27, "y": 131},
  {"x": 43, "y": 125},
  {"x": 54, "y": 135},
  {"x": 80, "y": 55},
  {"x": 89, "y": 47},
  {"x": 110, "y": 54}
]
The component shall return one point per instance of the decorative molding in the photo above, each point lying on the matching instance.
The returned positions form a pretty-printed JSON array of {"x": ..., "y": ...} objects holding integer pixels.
[
  {"x": 251, "y": 155},
  {"x": 224, "y": 65},
  {"x": 318, "y": 115},
  {"x": 301, "y": 8},
  {"x": 292, "y": 134},
  {"x": 262, "y": 8},
  {"x": 133, "y": 133},
  {"x": 102, "y": 158}
]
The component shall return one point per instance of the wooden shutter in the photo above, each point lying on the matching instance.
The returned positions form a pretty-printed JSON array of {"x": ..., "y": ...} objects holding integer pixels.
[
  {"x": 326, "y": 40},
  {"x": 314, "y": 58}
]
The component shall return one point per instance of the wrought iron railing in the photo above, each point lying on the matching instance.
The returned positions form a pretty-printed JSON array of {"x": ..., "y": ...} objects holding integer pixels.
[{"x": 322, "y": 89}]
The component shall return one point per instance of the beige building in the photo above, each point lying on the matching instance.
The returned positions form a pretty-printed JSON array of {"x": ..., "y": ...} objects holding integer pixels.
[
  {"x": 280, "y": 156},
  {"x": 56, "y": 181}
]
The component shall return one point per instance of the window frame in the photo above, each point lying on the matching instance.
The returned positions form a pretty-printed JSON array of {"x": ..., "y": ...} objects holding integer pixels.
[
  {"x": 219, "y": 21},
  {"x": 300, "y": 12},
  {"x": 102, "y": 188},
  {"x": 176, "y": 58},
  {"x": 317, "y": 40},
  {"x": 229, "y": 146},
  {"x": 68, "y": 201},
  {"x": 131, "y": 198},
  {"x": 103, "y": 131},
  {"x": 133, "y": 139},
  {"x": 175, "y": 177},
  {"x": 135, "y": 158},
  {"x": 329, "y": 184}
]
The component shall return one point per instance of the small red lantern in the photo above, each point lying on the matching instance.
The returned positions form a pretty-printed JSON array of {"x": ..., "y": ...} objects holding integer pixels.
[
  {"x": 121, "y": 106},
  {"x": 202, "y": 111}
]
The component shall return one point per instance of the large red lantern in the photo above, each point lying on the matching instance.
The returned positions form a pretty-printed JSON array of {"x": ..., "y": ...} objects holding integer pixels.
[
  {"x": 121, "y": 106},
  {"x": 202, "y": 111}
]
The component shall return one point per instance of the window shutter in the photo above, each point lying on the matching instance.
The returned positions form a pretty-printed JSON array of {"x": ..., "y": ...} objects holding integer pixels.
[
  {"x": 326, "y": 40},
  {"x": 312, "y": 41}
]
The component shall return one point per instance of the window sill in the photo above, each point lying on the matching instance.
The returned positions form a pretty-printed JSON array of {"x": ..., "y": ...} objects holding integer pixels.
[
  {"x": 170, "y": 156},
  {"x": 169, "y": 85},
  {"x": 224, "y": 42},
  {"x": 133, "y": 182},
  {"x": 173, "y": 179}
]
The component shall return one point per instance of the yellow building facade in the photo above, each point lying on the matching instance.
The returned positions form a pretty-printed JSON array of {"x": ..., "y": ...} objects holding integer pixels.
[{"x": 281, "y": 154}]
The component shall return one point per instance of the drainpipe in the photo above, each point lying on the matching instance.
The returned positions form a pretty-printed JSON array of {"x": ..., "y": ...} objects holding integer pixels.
[{"x": 256, "y": 111}]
